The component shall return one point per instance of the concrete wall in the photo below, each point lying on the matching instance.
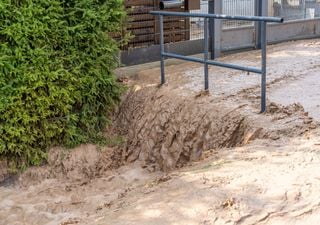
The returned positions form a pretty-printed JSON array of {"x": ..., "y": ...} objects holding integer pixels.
[
  {"x": 234, "y": 39},
  {"x": 231, "y": 40},
  {"x": 293, "y": 30},
  {"x": 237, "y": 38}
]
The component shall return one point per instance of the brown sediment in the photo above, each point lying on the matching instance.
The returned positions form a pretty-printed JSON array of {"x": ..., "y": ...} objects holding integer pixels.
[
  {"x": 239, "y": 166},
  {"x": 82, "y": 163},
  {"x": 167, "y": 130}
]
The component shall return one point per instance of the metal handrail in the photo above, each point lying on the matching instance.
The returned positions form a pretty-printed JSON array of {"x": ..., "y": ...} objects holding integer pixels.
[
  {"x": 219, "y": 16},
  {"x": 206, "y": 61}
]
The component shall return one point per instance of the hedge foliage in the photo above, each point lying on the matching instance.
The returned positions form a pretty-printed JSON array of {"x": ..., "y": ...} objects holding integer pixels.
[{"x": 56, "y": 79}]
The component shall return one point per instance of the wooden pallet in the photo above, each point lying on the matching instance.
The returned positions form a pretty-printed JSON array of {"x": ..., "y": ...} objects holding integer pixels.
[{"x": 145, "y": 28}]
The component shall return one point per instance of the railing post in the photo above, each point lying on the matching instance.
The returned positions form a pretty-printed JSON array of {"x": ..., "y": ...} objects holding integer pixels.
[
  {"x": 263, "y": 66},
  {"x": 215, "y": 28},
  {"x": 206, "y": 55},
  {"x": 163, "y": 79},
  {"x": 304, "y": 9},
  {"x": 257, "y": 25},
  {"x": 261, "y": 9},
  {"x": 211, "y": 29}
]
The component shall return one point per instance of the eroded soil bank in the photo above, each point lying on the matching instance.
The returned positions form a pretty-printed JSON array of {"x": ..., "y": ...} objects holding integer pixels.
[{"x": 190, "y": 157}]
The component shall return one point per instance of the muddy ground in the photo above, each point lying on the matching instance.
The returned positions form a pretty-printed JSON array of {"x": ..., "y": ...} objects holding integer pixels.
[{"x": 191, "y": 157}]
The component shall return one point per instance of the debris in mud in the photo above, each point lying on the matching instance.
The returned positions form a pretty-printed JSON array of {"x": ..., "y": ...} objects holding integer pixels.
[
  {"x": 123, "y": 79},
  {"x": 228, "y": 203},
  {"x": 105, "y": 205},
  {"x": 202, "y": 93},
  {"x": 163, "y": 179},
  {"x": 71, "y": 221},
  {"x": 158, "y": 181},
  {"x": 289, "y": 110}
]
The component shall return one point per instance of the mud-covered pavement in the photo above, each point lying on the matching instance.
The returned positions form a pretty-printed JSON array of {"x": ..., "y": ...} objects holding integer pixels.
[{"x": 192, "y": 157}]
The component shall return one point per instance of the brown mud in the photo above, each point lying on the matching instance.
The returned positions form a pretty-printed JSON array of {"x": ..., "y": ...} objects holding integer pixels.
[
  {"x": 190, "y": 157},
  {"x": 80, "y": 164},
  {"x": 167, "y": 130}
]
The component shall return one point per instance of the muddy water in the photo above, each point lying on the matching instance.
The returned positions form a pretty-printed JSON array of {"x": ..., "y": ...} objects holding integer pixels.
[{"x": 67, "y": 201}]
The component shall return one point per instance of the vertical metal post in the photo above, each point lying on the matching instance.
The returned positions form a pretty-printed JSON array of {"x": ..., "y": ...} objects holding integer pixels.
[
  {"x": 304, "y": 9},
  {"x": 263, "y": 66},
  {"x": 215, "y": 28},
  {"x": 211, "y": 29},
  {"x": 258, "y": 12},
  {"x": 261, "y": 9},
  {"x": 206, "y": 54},
  {"x": 163, "y": 79}
]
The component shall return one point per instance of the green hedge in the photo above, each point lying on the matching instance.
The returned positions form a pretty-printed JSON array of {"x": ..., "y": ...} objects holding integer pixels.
[{"x": 56, "y": 79}]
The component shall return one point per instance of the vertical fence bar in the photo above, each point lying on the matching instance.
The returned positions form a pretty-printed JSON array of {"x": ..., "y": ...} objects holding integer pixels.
[
  {"x": 163, "y": 79},
  {"x": 218, "y": 6},
  {"x": 258, "y": 12},
  {"x": 206, "y": 54},
  {"x": 211, "y": 29},
  {"x": 304, "y": 9},
  {"x": 263, "y": 65}
]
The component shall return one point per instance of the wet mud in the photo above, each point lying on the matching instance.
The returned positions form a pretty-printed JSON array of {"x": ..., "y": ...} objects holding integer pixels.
[{"x": 190, "y": 157}]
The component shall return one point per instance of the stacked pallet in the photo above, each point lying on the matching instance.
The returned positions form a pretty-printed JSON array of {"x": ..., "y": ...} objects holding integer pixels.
[
  {"x": 145, "y": 28},
  {"x": 141, "y": 24}
]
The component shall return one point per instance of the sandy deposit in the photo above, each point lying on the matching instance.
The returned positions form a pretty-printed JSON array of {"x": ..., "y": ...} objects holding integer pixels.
[{"x": 192, "y": 157}]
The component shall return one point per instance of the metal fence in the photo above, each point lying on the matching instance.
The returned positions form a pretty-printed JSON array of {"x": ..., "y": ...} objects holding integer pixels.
[
  {"x": 239, "y": 8},
  {"x": 197, "y": 24},
  {"x": 229, "y": 7},
  {"x": 143, "y": 26},
  {"x": 295, "y": 9}
]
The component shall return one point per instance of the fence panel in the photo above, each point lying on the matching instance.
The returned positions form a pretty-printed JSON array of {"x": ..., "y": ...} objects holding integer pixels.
[
  {"x": 239, "y": 8},
  {"x": 295, "y": 9},
  {"x": 197, "y": 24},
  {"x": 229, "y": 7},
  {"x": 145, "y": 28}
]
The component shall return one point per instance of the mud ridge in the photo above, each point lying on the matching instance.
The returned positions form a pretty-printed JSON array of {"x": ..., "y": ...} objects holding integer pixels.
[{"x": 168, "y": 130}]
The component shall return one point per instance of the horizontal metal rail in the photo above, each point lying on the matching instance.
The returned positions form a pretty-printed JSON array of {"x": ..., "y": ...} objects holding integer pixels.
[
  {"x": 206, "y": 61},
  {"x": 213, "y": 63},
  {"x": 219, "y": 16}
]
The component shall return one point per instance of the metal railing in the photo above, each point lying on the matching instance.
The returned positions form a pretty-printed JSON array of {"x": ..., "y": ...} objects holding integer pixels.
[{"x": 206, "y": 61}]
